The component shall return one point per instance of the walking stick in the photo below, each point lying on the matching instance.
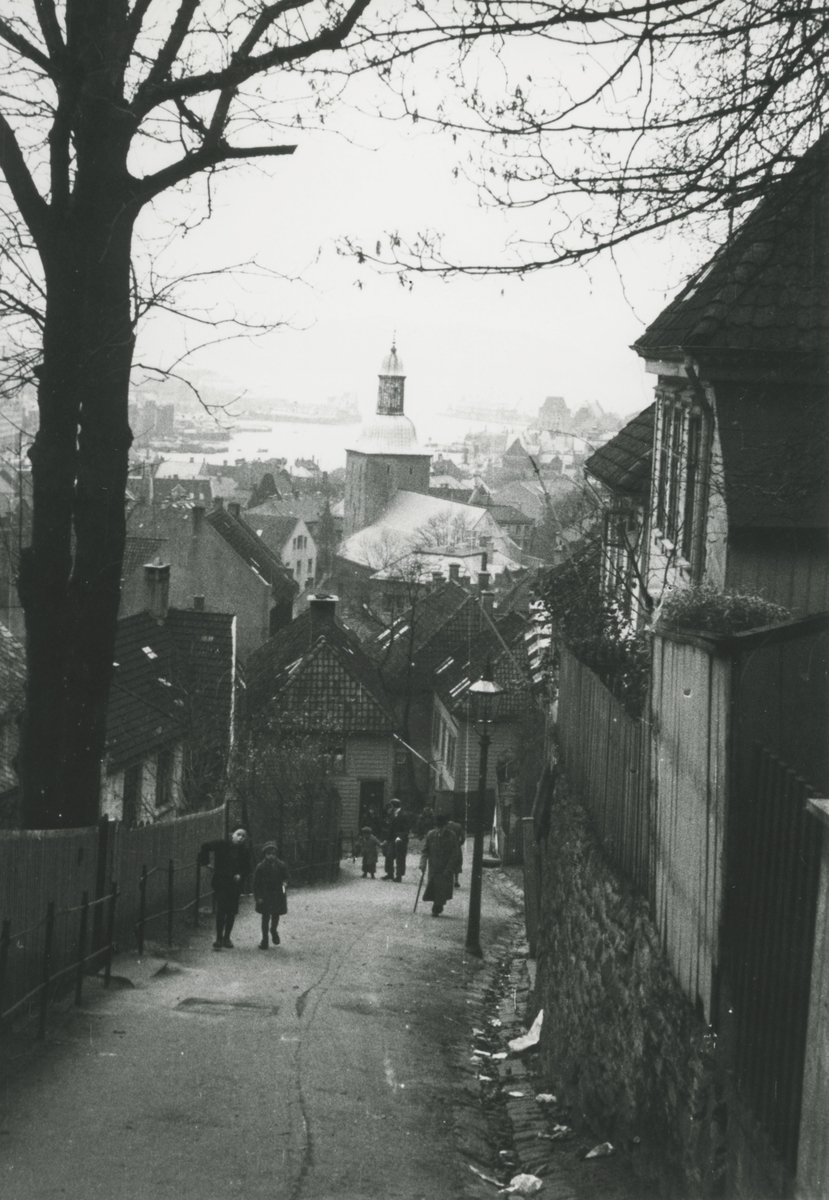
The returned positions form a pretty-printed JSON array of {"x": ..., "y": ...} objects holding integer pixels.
[{"x": 419, "y": 886}]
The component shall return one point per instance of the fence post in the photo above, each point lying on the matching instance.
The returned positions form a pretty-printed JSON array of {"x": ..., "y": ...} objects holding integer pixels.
[
  {"x": 100, "y": 880},
  {"x": 142, "y": 908},
  {"x": 198, "y": 889},
  {"x": 81, "y": 946},
  {"x": 47, "y": 956},
  {"x": 5, "y": 942},
  {"x": 171, "y": 880},
  {"x": 113, "y": 896}
]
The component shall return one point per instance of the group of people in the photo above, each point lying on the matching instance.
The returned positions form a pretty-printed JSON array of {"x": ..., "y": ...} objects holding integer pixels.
[
  {"x": 442, "y": 854},
  {"x": 441, "y": 857},
  {"x": 232, "y": 862}
]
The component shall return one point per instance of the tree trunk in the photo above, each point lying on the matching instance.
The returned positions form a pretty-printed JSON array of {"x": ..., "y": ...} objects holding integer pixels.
[{"x": 70, "y": 576}]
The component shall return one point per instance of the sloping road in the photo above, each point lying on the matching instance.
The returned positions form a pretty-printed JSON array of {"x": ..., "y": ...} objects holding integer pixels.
[{"x": 313, "y": 1070}]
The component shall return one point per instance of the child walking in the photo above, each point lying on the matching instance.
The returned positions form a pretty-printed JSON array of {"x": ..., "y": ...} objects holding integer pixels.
[
  {"x": 370, "y": 847},
  {"x": 269, "y": 893}
]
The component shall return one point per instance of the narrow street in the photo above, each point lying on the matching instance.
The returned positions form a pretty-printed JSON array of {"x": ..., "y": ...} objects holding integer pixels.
[{"x": 315, "y": 1069}]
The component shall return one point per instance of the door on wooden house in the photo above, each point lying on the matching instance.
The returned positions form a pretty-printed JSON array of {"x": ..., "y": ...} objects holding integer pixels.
[{"x": 372, "y": 797}]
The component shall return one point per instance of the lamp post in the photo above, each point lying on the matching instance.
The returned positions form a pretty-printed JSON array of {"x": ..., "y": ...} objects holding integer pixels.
[{"x": 484, "y": 696}]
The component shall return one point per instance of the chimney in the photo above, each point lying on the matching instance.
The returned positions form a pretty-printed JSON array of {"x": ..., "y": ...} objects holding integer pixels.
[
  {"x": 234, "y": 508},
  {"x": 488, "y": 600},
  {"x": 455, "y": 572},
  {"x": 322, "y": 608},
  {"x": 483, "y": 581},
  {"x": 198, "y": 519},
  {"x": 157, "y": 589},
  {"x": 198, "y": 603},
  {"x": 483, "y": 561},
  {"x": 437, "y": 578}
]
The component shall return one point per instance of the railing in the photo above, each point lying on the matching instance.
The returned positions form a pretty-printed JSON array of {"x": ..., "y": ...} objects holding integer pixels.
[{"x": 50, "y": 927}]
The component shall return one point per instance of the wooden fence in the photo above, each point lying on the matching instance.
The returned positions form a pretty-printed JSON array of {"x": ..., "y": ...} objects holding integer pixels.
[
  {"x": 45, "y": 875},
  {"x": 606, "y": 755}
]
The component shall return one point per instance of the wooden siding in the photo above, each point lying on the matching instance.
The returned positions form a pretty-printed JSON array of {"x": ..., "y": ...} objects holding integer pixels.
[
  {"x": 790, "y": 567},
  {"x": 606, "y": 756},
  {"x": 365, "y": 758},
  {"x": 690, "y": 699}
]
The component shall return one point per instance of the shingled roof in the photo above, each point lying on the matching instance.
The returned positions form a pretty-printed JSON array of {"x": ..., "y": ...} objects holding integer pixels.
[
  {"x": 767, "y": 289},
  {"x": 624, "y": 463},
  {"x": 326, "y": 681},
  {"x": 168, "y": 677}
]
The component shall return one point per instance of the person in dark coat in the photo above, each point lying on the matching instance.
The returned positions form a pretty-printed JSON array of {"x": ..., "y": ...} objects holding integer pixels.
[
  {"x": 441, "y": 855},
  {"x": 396, "y": 842},
  {"x": 457, "y": 829},
  {"x": 269, "y": 893},
  {"x": 369, "y": 848},
  {"x": 231, "y": 868}
]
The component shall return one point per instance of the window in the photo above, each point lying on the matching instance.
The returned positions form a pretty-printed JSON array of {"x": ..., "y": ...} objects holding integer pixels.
[
  {"x": 679, "y": 493},
  {"x": 451, "y": 743},
  {"x": 310, "y": 566},
  {"x": 435, "y": 728}
]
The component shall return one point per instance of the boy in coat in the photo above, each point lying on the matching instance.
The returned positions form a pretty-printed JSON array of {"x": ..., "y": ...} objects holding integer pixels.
[
  {"x": 231, "y": 867},
  {"x": 269, "y": 893}
]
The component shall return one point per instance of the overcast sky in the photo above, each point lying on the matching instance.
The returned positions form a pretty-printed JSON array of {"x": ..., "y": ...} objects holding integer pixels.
[{"x": 560, "y": 332}]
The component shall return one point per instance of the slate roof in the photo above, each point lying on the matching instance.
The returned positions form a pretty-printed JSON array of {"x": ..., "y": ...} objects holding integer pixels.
[
  {"x": 168, "y": 677},
  {"x": 326, "y": 683},
  {"x": 138, "y": 551},
  {"x": 275, "y": 530},
  {"x": 309, "y": 507},
  {"x": 192, "y": 491},
  {"x": 767, "y": 289},
  {"x": 444, "y": 643},
  {"x": 242, "y": 538},
  {"x": 508, "y": 514},
  {"x": 624, "y": 463}
]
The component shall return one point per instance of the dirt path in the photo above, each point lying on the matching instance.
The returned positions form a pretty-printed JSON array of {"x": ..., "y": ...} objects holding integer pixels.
[{"x": 314, "y": 1070}]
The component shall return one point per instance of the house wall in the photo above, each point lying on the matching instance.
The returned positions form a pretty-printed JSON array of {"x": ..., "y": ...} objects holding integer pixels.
[
  {"x": 813, "y": 1150},
  {"x": 298, "y": 560},
  {"x": 787, "y": 566},
  {"x": 202, "y": 564},
  {"x": 112, "y": 790},
  {"x": 367, "y": 757}
]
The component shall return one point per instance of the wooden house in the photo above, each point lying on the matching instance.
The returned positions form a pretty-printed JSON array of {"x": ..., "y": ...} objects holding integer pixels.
[
  {"x": 738, "y": 488},
  {"x": 316, "y": 673},
  {"x": 171, "y": 711}
]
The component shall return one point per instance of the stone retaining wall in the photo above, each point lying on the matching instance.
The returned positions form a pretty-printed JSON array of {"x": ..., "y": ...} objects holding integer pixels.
[{"x": 619, "y": 1038}]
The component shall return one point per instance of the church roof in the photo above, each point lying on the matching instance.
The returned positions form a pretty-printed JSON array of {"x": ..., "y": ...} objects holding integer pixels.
[
  {"x": 391, "y": 433},
  {"x": 392, "y": 363}
]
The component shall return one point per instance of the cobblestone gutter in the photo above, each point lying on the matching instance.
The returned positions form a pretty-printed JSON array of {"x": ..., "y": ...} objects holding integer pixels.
[{"x": 503, "y": 1127}]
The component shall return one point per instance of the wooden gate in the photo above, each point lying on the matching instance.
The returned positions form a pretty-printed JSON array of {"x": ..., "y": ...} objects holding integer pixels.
[{"x": 774, "y": 873}]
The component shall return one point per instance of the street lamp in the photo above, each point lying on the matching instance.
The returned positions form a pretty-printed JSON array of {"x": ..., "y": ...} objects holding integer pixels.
[{"x": 484, "y": 699}]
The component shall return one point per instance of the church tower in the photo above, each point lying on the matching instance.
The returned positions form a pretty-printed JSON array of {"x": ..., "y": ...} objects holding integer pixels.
[{"x": 386, "y": 458}]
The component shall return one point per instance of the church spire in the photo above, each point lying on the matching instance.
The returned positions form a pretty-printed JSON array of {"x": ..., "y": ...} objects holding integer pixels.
[{"x": 392, "y": 382}]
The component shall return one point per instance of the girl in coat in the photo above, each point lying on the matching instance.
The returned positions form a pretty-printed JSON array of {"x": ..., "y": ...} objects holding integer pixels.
[
  {"x": 269, "y": 893},
  {"x": 370, "y": 847}
]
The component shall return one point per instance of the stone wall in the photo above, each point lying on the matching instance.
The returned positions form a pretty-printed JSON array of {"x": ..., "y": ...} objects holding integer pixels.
[{"x": 619, "y": 1039}]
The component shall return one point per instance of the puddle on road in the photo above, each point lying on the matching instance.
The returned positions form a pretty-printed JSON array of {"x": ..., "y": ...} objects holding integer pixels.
[{"x": 225, "y": 1008}]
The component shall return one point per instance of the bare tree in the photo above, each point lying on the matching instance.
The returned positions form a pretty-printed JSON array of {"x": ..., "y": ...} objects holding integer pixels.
[
  {"x": 105, "y": 107},
  {"x": 613, "y": 120}
]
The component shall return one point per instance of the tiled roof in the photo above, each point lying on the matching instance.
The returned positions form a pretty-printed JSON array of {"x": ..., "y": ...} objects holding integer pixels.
[
  {"x": 430, "y": 613},
  {"x": 168, "y": 678},
  {"x": 329, "y": 683},
  {"x": 767, "y": 289},
  {"x": 307, "y": 506},
  {"x": 624, "y": 463},
  {"x": 275, "y": 530},
  {"x": 194, "y": 491},
  {"x": 508, "y": 514},
  {"x": 242, "y": 538},
  {"x": 12, "y": 674},
  {"x": 138, "y": 551}
]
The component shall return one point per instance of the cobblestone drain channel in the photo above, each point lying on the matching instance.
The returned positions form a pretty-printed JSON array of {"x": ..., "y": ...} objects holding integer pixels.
[{"x": 502, "y": 1125}]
